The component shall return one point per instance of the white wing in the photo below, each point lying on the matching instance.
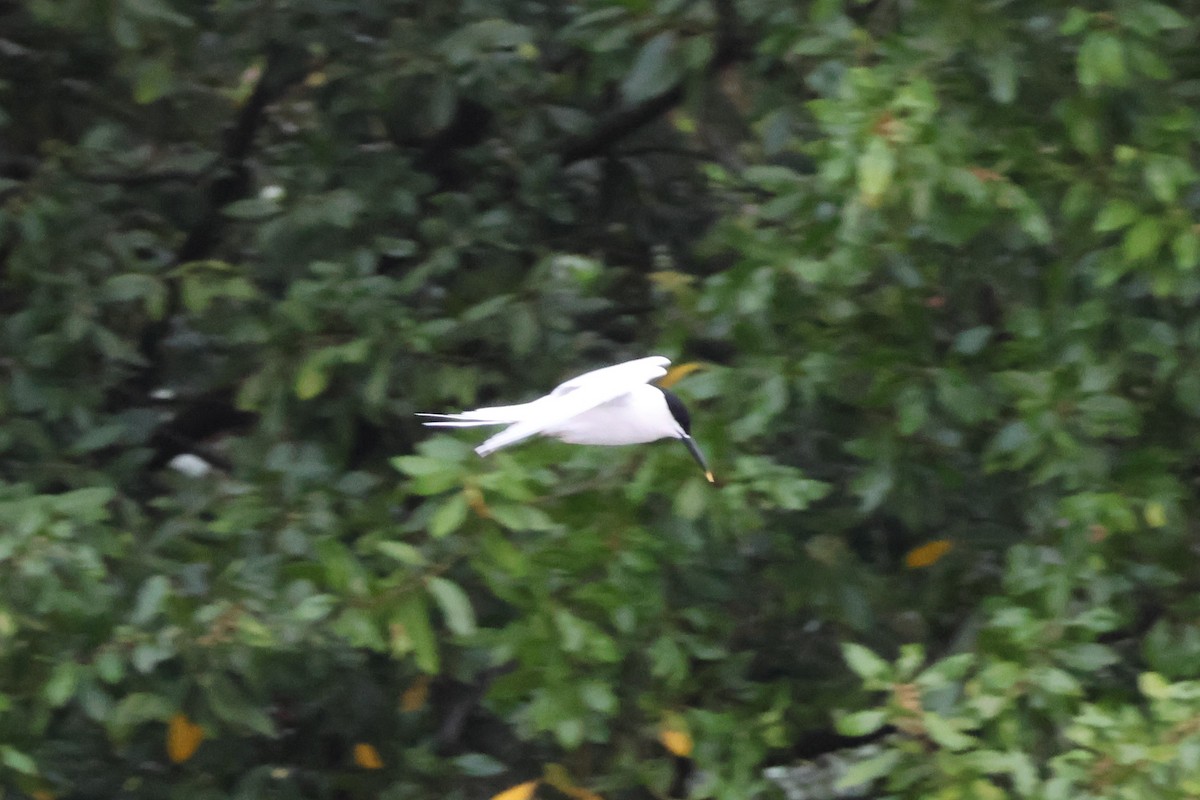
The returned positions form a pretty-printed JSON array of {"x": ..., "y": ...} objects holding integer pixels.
[
  {"x": 629, "y": 373},
  {"x": 576, "y": 396}
]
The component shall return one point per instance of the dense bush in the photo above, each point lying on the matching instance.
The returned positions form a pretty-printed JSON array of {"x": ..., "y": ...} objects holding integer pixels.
[{"x": 928, "y": 272}]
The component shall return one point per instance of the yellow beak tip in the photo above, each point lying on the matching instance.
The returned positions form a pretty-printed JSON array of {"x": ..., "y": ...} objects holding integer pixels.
[{"x": 710, "y": 477}]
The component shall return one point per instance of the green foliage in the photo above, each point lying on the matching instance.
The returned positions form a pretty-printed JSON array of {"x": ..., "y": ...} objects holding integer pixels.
[{"x": 932, "y": 266}]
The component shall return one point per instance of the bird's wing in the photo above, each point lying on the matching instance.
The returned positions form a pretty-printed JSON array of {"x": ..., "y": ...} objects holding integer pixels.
[
  {"x": 576, "y": 396},
  {"x": 629, "y": 373}
]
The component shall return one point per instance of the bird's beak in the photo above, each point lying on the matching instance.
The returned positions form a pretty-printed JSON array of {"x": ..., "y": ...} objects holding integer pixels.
[{"x": 696, "y": 454}]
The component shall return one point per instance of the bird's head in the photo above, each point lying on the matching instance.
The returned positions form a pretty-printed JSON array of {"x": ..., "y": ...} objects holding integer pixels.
[{"x": 683, "y": 425}]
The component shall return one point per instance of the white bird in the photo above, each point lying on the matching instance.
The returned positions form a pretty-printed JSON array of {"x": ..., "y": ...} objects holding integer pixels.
[{"x": 610, "y": 406}]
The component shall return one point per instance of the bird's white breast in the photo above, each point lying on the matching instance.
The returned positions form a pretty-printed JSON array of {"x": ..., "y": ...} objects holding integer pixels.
[{"x": 640, "y": 415}]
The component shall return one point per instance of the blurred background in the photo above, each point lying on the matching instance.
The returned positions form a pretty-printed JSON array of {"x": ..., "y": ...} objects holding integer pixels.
[{"x": 928, "y": 275}]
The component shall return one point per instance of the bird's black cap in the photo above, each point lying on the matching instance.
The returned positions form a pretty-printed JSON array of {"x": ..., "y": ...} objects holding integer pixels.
[{"x": 675, "y": 405}]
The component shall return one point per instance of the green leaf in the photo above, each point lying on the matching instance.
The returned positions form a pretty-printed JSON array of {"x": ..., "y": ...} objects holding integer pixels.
[
  {"x": 1186, "y": 248},
  {"x": 1076, "y": 21},
  {"x": 873, "y": 485},
  {"x": 341, "y": 207},
  {"x": 148, "y": 655},
  {"x": 862, "y": 723},
  {"x": 135, "y": 286},
  {"x": 865, "y": 663},
  {"x": 1163, "y": 16},
  {"x": 1116, "y": 214},
  {"x": 134, "y": 710},
  {"x": 1143, "y": 239},
  {"x": 455, "y": 605},
  {"x": 1054, "y": 681},
  {"x": 150, "y": 599},
  {"x": 476, "y": 40},
  {"x": 449, "y": 516},
  {"x": 61, "y": 685},
  {"x": 569, "y": 732},
  {"x": 1101, "y": 60},
  {"x": 912, "y": 411},
  {"x": 201, "y": 289},
  {"x": 654, "y": 70},
  {"x": 1161, "y": 175},
  {"x": 1083, "y": 126},
  {"x": 110, "y": 667},
  {"x": 598, "y": 696},
  {"x": 867, "y": 771},
  {"x": 231, "y": 704},
  {"x": 17, "y": 761},
  {"x": 1001, "y": 70},
  {"x": 403, "y": 552},
  {"x": 970, "y": 342},
  {"x": 876, "y": 166},
  {"x": 412, "y": 615},
  {"x": 478, "y": 765},
  {"x": 90, "y": 504},
  {"x": 312, "y": 378},
  {"x": 314, "y": 607},
  {"x": 571, "y": 629},
  {"x": 251, "y": 209},
  {"x": 1015, "y": 437},
  {"x": 156, "y": 10},
  {"x": 153, "y": 78},
  {"x": 1034, "y": 223},
  {"x": 419, "y": 466},
  {"x": 359, "y": 629},
  {"x": 690, "y": 500},
  {"x": 947, "y": 671},
  {"x": 912, "y": 656},
  {"x": 945, "y": 732},
  {"x": 1087, "y": 656},
  {"x": 521, "y": 517},
  {"x": 1154, "y": 686}
]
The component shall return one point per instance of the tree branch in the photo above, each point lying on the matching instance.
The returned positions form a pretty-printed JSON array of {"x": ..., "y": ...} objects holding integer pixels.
[
  {"x": 621, "y": 124},
  {"x": 278, "y": 74},
  {"x": 626, "y": 121},
  {"x": 282, "y": 69}
]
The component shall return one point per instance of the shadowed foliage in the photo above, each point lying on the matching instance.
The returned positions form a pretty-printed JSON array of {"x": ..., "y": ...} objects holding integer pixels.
[{"x": 927, "y": 271}]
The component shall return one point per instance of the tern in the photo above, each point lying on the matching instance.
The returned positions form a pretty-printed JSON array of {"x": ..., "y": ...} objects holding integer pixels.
[{"x": 609, "y": 406}]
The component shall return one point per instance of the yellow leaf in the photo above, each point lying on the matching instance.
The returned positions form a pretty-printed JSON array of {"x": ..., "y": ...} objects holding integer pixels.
[
  {"x": 476, "y": 502},
  {"x": 312, "y": 378},
  {"x": 1156, "y": 515},
  {"x": 414, "y": 697},
  {"x": 675, "y": 374},
  {"x": 367, "y": 757},
  {"x": 557, "y": 776},
  {"x": 677, "y": 742},
  {"x": 672, "y": 281},
  {"x": 183, "y": 738},
  {"x": 522, "y": 791},
  {"x": 683, "y": 122},
  {"x": 674, "y": 736},
  {"x": 927, "y": 554}
]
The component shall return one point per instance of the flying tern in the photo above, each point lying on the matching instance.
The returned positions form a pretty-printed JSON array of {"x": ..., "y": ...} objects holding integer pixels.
[{"x": 609, "y": 406}]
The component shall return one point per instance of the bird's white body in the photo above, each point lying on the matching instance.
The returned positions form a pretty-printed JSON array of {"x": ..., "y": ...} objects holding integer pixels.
[
  {"x": 636, "y": 417},
  {"x": 610, "y": 406}
]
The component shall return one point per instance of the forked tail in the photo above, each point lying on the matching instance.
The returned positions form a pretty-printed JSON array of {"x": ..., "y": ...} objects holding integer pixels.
[
  {"x": 456, "y": 421},
  {"x": 516, "y": 417}
]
